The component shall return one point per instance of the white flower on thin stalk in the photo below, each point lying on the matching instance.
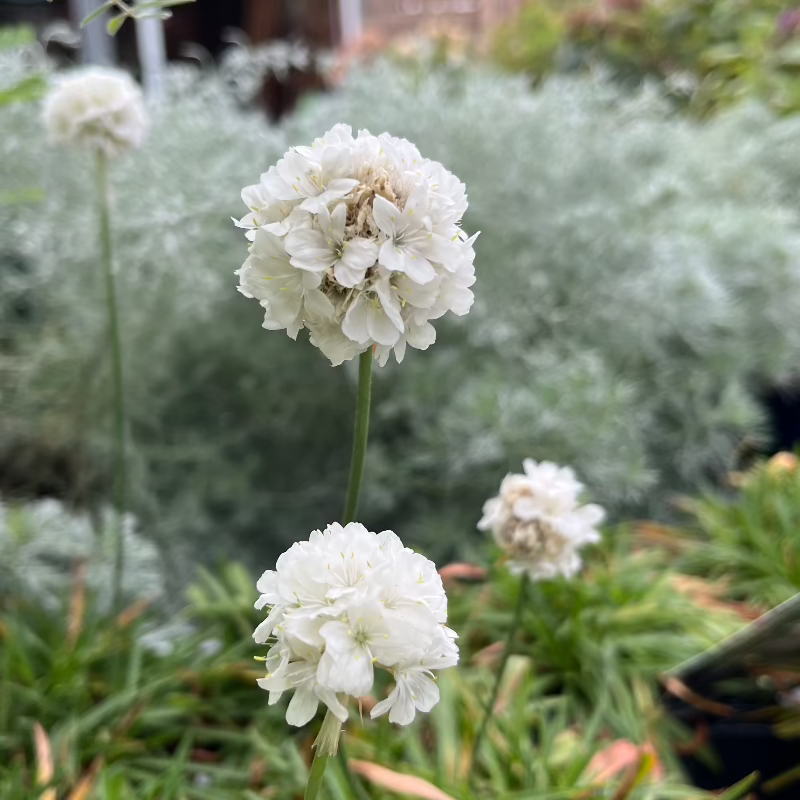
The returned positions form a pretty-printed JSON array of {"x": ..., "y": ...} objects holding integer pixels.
[
  {"x": 344, "y": 604},
  {"x": 379, "y": 228},
  {"x": 539, "y": 522},
  {"x": 96, "y": 108}
]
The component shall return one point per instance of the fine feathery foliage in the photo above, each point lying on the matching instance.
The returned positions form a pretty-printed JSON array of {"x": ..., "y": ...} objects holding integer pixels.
[
  {"x": 45, "y": 546},
  {"x": 636, "y": 288},
  {"x": 640, "y": 277}
]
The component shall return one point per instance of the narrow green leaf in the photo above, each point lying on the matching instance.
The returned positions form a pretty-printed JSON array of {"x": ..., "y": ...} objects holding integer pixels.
[
  {"x": 315, "y": 776},
  {"x": 162, "y": 4},
  {"x": 115, "y": 23},
  {"x": 781, "y": 782},
  {"x": 21, "y": 196},
  {"x": 740, "y": 789},
  {"x": 98, "y": 12}
]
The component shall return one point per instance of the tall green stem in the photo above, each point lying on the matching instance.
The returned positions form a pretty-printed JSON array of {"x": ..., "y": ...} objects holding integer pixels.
[
  {"x": 360, "y": 434},
  {"x": 112, "y": 310},
  {"x": 359, "y": 452},
  {"x": 512, "y": 633},
  {"x": 315, "y": 776}
]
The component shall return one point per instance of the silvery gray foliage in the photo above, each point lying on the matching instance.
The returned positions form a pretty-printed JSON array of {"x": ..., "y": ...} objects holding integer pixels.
[
  {"x": 176, "y": 250},
  {"x": 640, "y": 273},
  {"x": 638, "y": 277},
  {"x": 43, "y": 543},
  {"x": 243, "y": 67}
]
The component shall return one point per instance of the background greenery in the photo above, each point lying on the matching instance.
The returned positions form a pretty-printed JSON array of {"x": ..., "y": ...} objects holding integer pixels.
[
  {"x": 708, "y": 54},
  {"x": 638, "y": 286}
]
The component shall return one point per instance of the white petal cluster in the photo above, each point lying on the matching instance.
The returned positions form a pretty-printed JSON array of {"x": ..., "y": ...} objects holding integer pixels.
[
  {"x": 358, "y": 240},
  {"x": 343, "y": 604},
  {"x": 538, "y": 520},
  {"x": 96, "y": 108}
]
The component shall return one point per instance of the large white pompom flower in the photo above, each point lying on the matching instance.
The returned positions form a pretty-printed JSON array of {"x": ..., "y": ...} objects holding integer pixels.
[
  {"x": 539, "y": 522},
  {"x": 343, "y": 604},
  {"x": 358, "y": 240},
  {"x": 97, "y": 108}
]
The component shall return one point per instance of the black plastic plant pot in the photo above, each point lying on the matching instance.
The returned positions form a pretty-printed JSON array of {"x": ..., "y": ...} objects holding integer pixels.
[
  {"x": 725, "y": 751},
  {"x": 738, "y": 717}
]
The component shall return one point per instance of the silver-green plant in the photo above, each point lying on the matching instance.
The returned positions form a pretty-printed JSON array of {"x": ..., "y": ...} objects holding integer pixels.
[
  {"x": 44, "y": 546},
  {"x": 101, "y": 111},
  {"x": 176, "y": 247},
  {"x": 640, "y": 278}
]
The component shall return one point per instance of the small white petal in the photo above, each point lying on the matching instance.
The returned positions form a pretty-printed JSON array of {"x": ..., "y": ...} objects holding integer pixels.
[
  {"x": 386, "y": 215},
  {"x": 354, "y": 325},
  {"x": 302, "y": 706},
  {"x": 392, "y": 257},
  {"x": 318, "y": 304},
  {"x": 380, "y": 328}
]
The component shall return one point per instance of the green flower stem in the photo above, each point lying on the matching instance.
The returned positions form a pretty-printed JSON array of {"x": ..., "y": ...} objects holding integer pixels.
[
  {"x": 512, "y": 633},
  {"x": 359, "y": 436},
  {"x": 120, "y": 456},
  {"x": 316, "y": 775}
]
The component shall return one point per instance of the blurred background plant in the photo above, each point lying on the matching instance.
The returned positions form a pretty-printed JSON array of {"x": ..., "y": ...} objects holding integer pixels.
[
  {"x": 640, "y": 290},
  {"x": 747, "y": 540},
  {"x": 600, "y": 641},
  {"x": 709, "y": 54},
  {"x": 638, "y": 287},
  {"x": 21, "y": 81},
  {"x": 43, "y": 545}
]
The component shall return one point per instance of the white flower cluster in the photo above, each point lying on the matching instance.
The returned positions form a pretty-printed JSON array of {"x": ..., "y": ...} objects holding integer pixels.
[
  {"x": 538, "y": 521},
  {"x": 96, "y": 108},
  {"x": 343, "y": 603},
  {"x": 358, "y": 240}
]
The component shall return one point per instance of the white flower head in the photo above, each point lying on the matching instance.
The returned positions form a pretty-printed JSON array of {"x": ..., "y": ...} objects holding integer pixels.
[
  {"x": 97, "y": 108},
  {"x": 370, "y": 240},
  {"x": 343, "y": 604},
  {"x": 538, "y": 520}
]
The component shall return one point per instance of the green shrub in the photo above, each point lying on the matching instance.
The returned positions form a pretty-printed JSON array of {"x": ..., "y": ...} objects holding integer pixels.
[
  {"x": 749, "y": 538},
  {"x": 602, "y": 639},
  {"x": 133, "y": 707},
  {"x": 530, "y": 41},
  {"x": 708, "y": 53}
]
